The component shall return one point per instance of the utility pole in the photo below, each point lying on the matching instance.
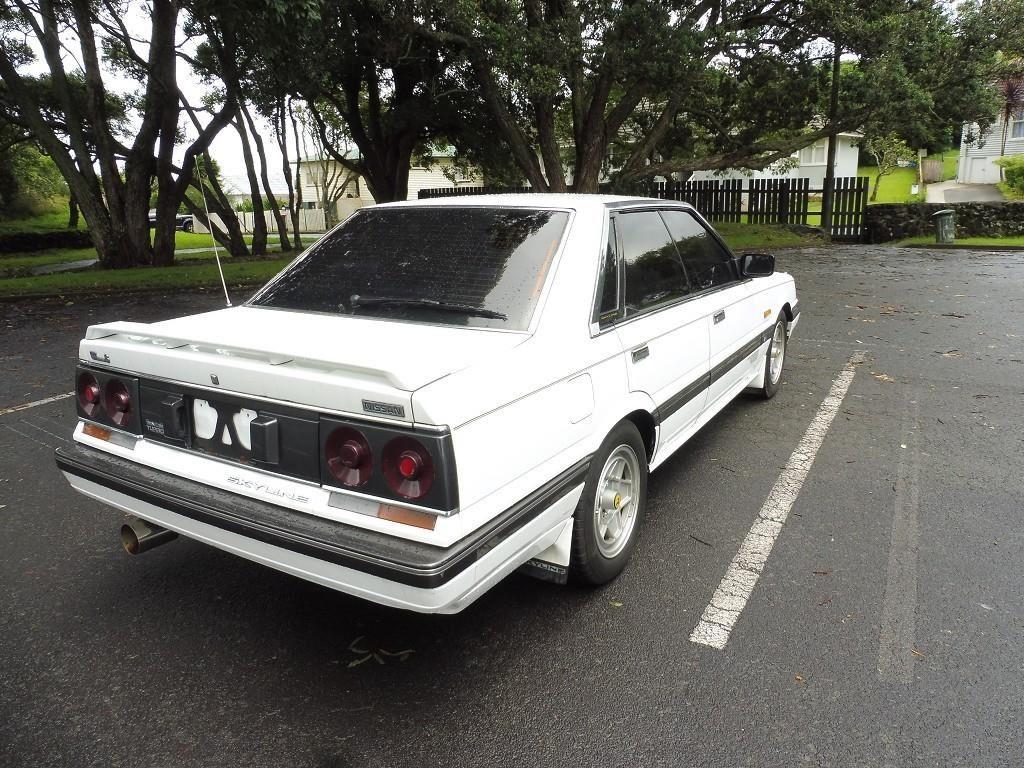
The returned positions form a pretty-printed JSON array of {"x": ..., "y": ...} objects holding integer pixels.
[{"x": 827, "y": 195}]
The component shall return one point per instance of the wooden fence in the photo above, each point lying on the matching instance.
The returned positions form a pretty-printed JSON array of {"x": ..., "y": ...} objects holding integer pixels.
[{"x": 753, "y": 201}]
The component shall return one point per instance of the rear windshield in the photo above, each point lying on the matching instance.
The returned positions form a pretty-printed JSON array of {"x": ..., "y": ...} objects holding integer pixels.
[{"x": 457, "y": 266}]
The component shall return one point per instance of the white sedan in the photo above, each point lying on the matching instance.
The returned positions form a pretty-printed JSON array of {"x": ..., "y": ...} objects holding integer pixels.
[{"x": 435, "y": 394}]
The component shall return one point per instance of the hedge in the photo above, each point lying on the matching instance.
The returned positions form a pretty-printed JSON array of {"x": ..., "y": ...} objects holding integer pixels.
[{"x": 26, "y": 242}]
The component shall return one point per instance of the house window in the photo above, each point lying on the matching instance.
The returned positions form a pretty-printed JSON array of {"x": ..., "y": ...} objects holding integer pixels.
[
  {"x": 813, "y": 155},
  {"x": 1017, "y": 126}
]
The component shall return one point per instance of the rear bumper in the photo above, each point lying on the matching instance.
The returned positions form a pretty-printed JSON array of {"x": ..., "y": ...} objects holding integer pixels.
[{"x": 364, "y": 563}]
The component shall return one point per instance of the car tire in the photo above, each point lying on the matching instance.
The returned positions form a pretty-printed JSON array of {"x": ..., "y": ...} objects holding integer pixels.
[
  {"x": 187, "y": 226},
  {"x": 776, "y": 354},
  {"x": 604, "y": 536}
]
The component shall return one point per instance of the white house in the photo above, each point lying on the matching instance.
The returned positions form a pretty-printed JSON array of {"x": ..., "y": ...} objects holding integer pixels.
[
  {"x": 808, "y": 163},
  {"x": 431, "y": 174},
  {"x": 977, "y": 157}
]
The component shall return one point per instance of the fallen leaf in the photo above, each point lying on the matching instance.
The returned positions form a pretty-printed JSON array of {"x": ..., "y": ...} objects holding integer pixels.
[
  {"x": 883, "y": 376},
  {"x": 821, "y": 573},
  {"x": 799, "y": 678},
  {"x": 917, "y": 653},
  {"x": 615, "y": 604},
  {"x": 951, "y": 353},
  {"x": 826, "y": 601}
]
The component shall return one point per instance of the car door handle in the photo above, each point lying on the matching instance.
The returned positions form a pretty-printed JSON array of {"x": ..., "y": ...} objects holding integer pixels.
[
  {"x": 719, "y": 316},
  {"x": 641, "y": 353}
]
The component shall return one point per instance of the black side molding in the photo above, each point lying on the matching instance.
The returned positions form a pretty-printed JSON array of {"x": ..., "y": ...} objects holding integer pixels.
[
  {"x": 399, "y": 560},
  {"x": 690, "y": 391}
]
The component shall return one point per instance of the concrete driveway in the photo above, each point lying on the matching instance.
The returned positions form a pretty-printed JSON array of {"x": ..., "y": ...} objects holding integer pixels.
[{"x": 952, "y": 192}]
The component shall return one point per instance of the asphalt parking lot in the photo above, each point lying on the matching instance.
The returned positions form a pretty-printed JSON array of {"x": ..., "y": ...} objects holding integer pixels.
[{"x": 886, "y": 629}]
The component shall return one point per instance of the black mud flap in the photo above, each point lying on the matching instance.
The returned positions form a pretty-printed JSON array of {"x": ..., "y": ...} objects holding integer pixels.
[{"x": 545, "y": 571}]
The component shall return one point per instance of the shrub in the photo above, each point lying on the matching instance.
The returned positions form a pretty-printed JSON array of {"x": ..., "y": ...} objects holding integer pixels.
[
  {"x": 25, "y": 242},
  {"x": 1013, "y": 171}
]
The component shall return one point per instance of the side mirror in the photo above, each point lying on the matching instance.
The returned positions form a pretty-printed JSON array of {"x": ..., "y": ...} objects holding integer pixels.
[{"x": 757, "y": 264}]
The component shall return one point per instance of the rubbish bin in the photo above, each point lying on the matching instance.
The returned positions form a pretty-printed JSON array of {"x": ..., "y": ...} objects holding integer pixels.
[{"x": 945, "y": 225}]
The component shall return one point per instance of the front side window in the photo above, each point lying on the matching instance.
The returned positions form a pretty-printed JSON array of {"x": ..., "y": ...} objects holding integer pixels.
[
  {"x": 708, "y": 264},
  {"x": 482, "y": 267},
  {"x": 654, "y": 273}
]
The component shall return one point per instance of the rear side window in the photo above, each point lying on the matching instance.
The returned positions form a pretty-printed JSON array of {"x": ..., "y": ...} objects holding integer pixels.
[
  {"x": 608, "y": 297},
  {"x": 654, "y": 273},
  {"x": 708, "y": 264},
  {"x": 449, "y": 265}
]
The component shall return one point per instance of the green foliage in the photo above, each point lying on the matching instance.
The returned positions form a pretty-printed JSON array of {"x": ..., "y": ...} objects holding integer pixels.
[
  {"x": 246, "y": 205},
  {"x": 888, "y": 152},
  {"x": 1013, "y": 172},
  {"x": 30, "y": 183}
]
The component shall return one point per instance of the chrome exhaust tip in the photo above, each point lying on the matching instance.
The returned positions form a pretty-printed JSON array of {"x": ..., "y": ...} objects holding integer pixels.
[{"x": 138, "y": 536}]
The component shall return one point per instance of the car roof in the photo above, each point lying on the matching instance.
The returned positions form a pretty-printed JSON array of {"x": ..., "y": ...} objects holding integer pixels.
[{"x": 554, "y": 200}]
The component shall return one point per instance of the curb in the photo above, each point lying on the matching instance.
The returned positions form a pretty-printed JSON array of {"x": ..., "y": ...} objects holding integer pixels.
[{"x": 958, "y": 247}]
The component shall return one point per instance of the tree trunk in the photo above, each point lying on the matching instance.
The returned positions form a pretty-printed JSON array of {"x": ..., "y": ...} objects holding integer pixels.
[
  {"x": 827, "y": 195},
  {"x": 259, "y": 223},
  {"x": 588, "y": 173},
  {"x": 72, "y": 212},
  {"x": 230, "y": 236},
  {"x": 874, "y": 187},
  {"x": 294, "y": 188},
  {"x": 282, "y": 226}
]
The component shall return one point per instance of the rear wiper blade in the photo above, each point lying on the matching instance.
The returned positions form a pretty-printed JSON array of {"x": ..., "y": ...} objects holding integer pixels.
[{"x": 443, "y": 306}]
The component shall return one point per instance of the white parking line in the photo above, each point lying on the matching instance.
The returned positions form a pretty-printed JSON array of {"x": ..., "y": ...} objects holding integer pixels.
[
  {"x": 732, "y": 594},
  {"x": 34, "y": 403}
]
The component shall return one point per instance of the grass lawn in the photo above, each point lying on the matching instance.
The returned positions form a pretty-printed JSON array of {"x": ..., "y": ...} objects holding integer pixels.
[
  {"x": 188, "y": 275},
  {"x": 197, "y": 240},
  {"x": 894, "y": 187},
  {"x": 981, "y": 242},
  {"x": 47, "y": 222},
  {"x": 746, "y": 237},
  {"x": 950, "y": 163}
]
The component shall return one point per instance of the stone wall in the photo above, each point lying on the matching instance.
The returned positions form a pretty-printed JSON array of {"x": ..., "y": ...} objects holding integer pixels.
[{"x": 896, "y": 221}]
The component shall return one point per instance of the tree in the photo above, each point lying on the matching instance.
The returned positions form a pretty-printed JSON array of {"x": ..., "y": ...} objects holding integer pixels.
[
  {"x": 329, "y": 178},
  {"x": 888, "y": 152},
  {"x": 667, "y": 88},
  {"x": 108, "y": 174},
  {"x": 377, "y": 71},
  {"x": 583, "y": 76},
  {"x": 1010, "y": 90}
]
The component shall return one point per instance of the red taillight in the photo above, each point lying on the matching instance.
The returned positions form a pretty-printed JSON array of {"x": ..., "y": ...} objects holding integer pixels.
[
  {"x": 407, "y": 467},
  {"x": 118, "y": 402},
  {"x": 348, "y": 456},
  {"x": 88, "y": 393}
]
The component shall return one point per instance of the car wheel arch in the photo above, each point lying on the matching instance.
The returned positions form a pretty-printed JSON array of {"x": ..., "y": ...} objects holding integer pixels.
[{"x": 643, "y": 420}]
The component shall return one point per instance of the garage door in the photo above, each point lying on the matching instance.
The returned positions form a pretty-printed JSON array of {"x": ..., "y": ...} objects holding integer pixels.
[{"x": 983, "y": 171}]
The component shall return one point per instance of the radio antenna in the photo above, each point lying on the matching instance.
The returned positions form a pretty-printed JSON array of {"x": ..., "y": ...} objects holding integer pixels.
[{"x": 216, "y": 250}]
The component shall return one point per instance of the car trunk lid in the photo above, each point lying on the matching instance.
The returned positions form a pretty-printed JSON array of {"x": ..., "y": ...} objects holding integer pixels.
[{"x": 331, "y": 362}]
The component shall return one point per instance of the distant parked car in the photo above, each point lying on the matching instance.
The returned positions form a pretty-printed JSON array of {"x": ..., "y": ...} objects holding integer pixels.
[
  {"x": 183, "y": 221},
  {"x": 435, "y": 394}
]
